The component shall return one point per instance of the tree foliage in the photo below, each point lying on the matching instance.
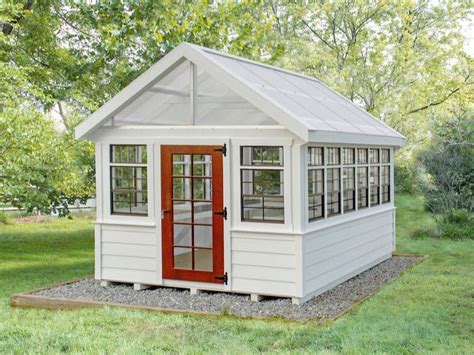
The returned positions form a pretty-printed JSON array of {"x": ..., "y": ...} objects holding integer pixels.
[{"x": 400, "y": 60}]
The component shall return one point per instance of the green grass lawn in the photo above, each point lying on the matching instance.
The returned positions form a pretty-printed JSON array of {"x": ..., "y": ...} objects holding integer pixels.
[{"x": 428, "y": 309}]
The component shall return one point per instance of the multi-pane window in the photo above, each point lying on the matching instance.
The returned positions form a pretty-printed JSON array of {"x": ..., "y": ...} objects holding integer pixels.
[
  {"x": 315, "y": 183},
  {"x": 362, "y": 188},
  {"x": 365, "y": 174},
  {"x": 348, "y": 183},
  {"x": 374, "y": 185},
  {"x": 333, "y": 191},
  {"x": 333, "y": 156},
  {"x": 262, "y": 189},
  {"x": 385, "y": 184},
  {"x": 128, "y": 179}
]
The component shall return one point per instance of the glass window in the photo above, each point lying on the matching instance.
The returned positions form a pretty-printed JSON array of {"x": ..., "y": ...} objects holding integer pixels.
[
  {"x": 374, "y": 156},
  {"x": 385, "y": 184},
  {"x": 363, "y": 188},
  {"x": 315, "y": 194},
  {"x": 261, "y": 156},
  {"x": 128, "y": 179},
  {"x": 262, "y": 189},
  {"x": 262, "y": 195},
  {"x": 385, "y": 156},
  {"x": 374, "y": 185},
  {"x": 333, "y": 156},
  {"x": 316, "y": 156},
  {"x": 333, "y": 191},
  {"x": 362, "y": 156},
  {"x": 133, "y": 154},
  {"x": 348, "y": 156},
  {"x": 348, "y": 183}
]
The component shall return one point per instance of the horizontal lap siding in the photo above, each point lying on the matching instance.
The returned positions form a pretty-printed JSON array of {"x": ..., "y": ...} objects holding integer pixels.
[
  {"x": 333, "y": 254},
  {"x": 263, "y": 265},
  {"x": 128, "y": 254}
]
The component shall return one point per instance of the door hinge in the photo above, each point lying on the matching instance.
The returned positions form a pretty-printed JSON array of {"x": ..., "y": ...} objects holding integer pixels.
[
  {"x": 224, "y": 278},
  {"x": 223, "y": 149},
  {"x": 223, "y": 213}
]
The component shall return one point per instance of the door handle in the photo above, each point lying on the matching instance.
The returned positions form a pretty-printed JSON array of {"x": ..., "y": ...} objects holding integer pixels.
[{"x": 163, "y": 213}]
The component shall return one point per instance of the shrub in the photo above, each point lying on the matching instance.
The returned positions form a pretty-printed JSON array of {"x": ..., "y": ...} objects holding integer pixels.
[
  {"x": 404, "y": 179},
  {"x": 456, "y": 224},
  {"x": 4, "y": 219}
]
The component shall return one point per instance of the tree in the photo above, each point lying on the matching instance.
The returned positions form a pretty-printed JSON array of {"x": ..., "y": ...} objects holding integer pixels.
[
  {"x": 400, "y": 60},
  {"x": 448, "y": 164}
]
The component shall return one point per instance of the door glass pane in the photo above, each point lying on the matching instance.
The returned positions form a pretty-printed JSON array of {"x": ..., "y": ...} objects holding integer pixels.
[
  {"x": 182, "y": 234},
  {"x": 182, "y": 188},
  {"x": 183, "y": 258},
  {"x": 203, "y": 259},
  {"x": 181, "y": 164},
  {"x": 203, "y": 236},
  {"x": 202, "y": 165},
  {"x": 203, "y": 212},
  {"x": 202, "y": 189},
  {"x": 182, "y": 211}
]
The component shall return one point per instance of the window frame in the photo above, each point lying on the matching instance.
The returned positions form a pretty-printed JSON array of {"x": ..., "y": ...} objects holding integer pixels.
[
  {"x": 261, "y": 167},
  {"x": 134, "y": 166},
  {"x": 367, "y": 164}
]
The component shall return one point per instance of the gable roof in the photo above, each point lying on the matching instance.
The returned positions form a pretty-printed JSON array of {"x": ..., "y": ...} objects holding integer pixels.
[{"x": 301, "y": 104}]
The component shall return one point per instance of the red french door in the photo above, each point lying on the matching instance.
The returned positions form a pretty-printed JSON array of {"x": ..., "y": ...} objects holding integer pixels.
[{"x": 192, "y": 213}]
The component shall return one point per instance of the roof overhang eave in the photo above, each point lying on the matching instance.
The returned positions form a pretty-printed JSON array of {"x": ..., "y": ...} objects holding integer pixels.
[{"x": 355, "y": 138}]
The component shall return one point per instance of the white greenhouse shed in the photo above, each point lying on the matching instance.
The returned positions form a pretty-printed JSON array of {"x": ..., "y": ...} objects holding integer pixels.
[{"x": 219, "y": 173}]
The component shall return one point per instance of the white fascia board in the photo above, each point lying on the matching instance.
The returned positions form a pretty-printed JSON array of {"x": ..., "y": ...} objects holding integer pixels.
[
  {"x": 130, "y": 92},
  {"x": 355, "y": 138},
  {"x": 273, "y": 109}
]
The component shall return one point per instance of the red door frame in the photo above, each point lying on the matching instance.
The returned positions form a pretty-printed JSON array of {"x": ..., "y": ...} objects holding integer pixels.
[{"x": 169, "y": 272}]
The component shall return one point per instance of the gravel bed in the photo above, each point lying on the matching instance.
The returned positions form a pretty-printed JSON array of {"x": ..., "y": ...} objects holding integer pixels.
[{"x": 325, "y": 306}]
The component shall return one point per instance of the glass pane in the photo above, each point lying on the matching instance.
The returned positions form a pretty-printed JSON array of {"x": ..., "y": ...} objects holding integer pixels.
[
  {"x": 362, "y": 156},
  {"x": 182, "y": 188},
  {"x": 261, "y": 156},
  {"x": 374, "y": 156},
  {"x": 202, "y": 189},
  {"x": 203, "y": 236},
  {"x": 333, "y": 156},
  {"x": 252, "y": 201},
  {"x": 182, "y": 234},
  {"x": 253, "y": 214},
  {"x": 203, "y": 259},
  {"x": 348, "y": 156},
  {"x": 181, "y": 164},
  {"x": 121, "y": 202},
  {"x": 202, "y": 165},
  {"x": 385, "y": 155},
  {"x": 203, "y": 212},
  {"x": 182, "y": 211},
  {"x": 316, "y": 156},
  {"x": 128, "y": 154},
  {"x": 183, "y": 258}
]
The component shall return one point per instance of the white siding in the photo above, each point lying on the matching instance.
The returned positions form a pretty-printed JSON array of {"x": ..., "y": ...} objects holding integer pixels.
[
  {"x": 264, "y": 264},
  {"x": 128, "y": 254},
  {"x": 334, "y": 254}
]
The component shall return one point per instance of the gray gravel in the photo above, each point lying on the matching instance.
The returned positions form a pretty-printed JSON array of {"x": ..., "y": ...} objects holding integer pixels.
[{"x": 325, "y": 306}]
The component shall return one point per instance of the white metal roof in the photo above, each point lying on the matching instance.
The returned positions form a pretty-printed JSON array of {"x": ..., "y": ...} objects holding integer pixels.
[{"x": 246, "y": 90}]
